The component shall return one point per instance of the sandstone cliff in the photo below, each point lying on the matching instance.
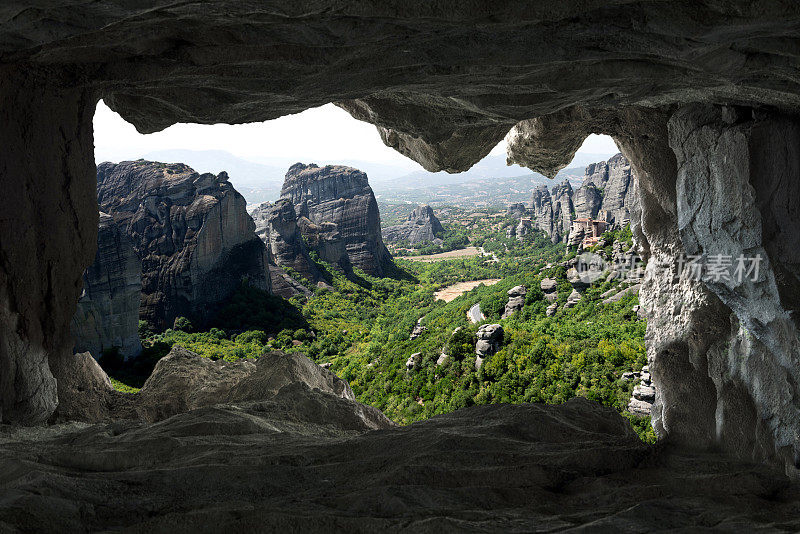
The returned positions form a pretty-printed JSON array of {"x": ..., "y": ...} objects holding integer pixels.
[
  {"x": 191, "y": 231},
  {"x": 276, "y": 225},
  {"x": 422, "y": 226},
  {"x": 563, "y": 211},
  {"x": 614, "y": 177},
  {"x": 607, "y": 193},
  {"x": 108, "y": 310},
  {"x": 342, "y": 222}
]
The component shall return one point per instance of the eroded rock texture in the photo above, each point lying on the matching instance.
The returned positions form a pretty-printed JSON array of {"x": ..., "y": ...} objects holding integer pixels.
[
  {"x": 296, "y": 463},
  {"x": 277, "y": 226},
  {"x": 614, "y": 177},
  {"x": 196, "y": 242},
  {"x": 718, "y": 183},
  {"x": 343, "y": 224},
  {"x": 442, "y": 81},
  {"x": 607, "y": 194},
  {"x": 422, "y": 226},
  {"x": 108, "y": 310},
  {"x": 48, "y": 235}
]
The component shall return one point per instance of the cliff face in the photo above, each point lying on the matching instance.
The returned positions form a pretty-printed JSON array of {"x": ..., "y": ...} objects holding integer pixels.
[
  {"x": 614, "y": 177},
  {"x": 607, "y": 193},
  {"x": 108, "y": 310},
  {"x": 191, "y": 232},
  {"x": 563, "y": 211},
  {"x": 588, "y": 200},
  {"x": 422, "y": 226},
  {"x": 342, "y": 220},
  {"x": 276, "y": 225},
  {"x": 543, "y": 209}
]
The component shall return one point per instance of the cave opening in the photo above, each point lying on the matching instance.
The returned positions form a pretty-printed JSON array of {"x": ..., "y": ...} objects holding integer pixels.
[{"x": 700, "y": 97}]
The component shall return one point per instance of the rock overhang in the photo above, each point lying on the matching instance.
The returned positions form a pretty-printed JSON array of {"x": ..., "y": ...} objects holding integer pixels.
[{"x": 443, "y": 81}]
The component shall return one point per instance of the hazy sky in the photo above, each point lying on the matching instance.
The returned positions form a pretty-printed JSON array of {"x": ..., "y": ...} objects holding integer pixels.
[{"x": 326, "y": 133}]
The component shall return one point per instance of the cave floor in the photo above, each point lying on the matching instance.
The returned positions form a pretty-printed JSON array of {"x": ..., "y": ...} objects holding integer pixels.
[{"x": 510, "y": 468}]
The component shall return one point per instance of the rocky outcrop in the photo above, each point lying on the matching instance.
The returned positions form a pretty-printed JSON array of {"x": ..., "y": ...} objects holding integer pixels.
[
  {"x": 422, "y": 226},
  {"x": 418, "y": 330},
  {"x": 490, "y": 337},
  {"x": 619, "y": 295},
  {"x": 276, "y": 225},
  {"x": 289, "y": 451},
  {"x": 644, "y": 394},
  {"x": 522, "y": 229},
  {"x": 343, "y": 223},
  {"x": 573, "y": 299},
  {"x": 474, "y": 313},
  {"x": 516, "y": 300},
  {"x": 563, "y": 211},
  {"x": 516, "y": 210},
  {"x": 588, "y": 201},
  {"x": 543, "y": 209},
  {"x": 607, "y": 194},
  {"x": 615, "y": 178},
  {"x": 414, "y": 361},
  {"x": 108, "y": 310},
  {"x": 549, "y": 287},
  {"x": 183, "y": 381},
  {"x": 191, "y": 232}
]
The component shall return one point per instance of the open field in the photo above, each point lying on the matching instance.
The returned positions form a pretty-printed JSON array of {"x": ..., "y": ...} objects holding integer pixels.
[
  {"x": 456, "y": 290},
  {"x": 460, "y": 253}
]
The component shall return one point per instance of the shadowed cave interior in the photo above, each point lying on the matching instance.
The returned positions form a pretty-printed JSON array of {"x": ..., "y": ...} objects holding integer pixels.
[{"x": 701, "y": 97}]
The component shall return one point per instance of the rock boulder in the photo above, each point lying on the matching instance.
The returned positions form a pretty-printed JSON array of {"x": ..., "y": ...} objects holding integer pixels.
[{"x": 516, "y": 300}]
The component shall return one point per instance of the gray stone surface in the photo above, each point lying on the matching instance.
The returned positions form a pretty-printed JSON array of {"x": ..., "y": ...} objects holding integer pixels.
[
  {"x": 572, "y": 299},
  {"x": 342, "y": 220},
  {"x": 549, "y": 287},
  {"x": 48, "y": 234},
  {"x": 276, "y": 225},
  {"x": 542, "y": 203},
  {"x": 563, "y": 211},
  {"x": 517, "y": 210},
  {"x": 588, "y": 200},
  {"x": 414, "y": 361},
  {"x": 442, "y": 85},
  {"x": 474, "y": 314},
  {"x": 192, "y": 233},
  {"x": 607, "y": 194},
  {"x": 300, "y": 463},
  {"x": 108, "y": 311},
  {"x": 417, "y": 331},
  {"x": 422, "y": 226},
  {"x": 516, "y": 300},
  {"x": 619, "y": 295},
  {"x": 490, "y": 337}
]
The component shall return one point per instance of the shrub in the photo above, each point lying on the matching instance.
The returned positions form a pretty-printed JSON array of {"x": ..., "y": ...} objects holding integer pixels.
[{"x": 183, "y": 324}]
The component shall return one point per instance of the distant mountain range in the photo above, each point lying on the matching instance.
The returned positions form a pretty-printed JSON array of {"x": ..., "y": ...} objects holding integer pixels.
[{"x": 261, "y": 180}]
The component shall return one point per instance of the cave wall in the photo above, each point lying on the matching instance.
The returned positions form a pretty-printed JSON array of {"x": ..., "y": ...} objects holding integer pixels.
[
  {"x": 700, "y": 95},
  {"x": 713, "y": 182},
  {"x": 48, "y": 234},
  {"x": 738, "y": 185}
]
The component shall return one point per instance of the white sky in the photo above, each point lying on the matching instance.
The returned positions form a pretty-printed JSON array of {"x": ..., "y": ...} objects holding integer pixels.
[{"x": 325, "y": 133}]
